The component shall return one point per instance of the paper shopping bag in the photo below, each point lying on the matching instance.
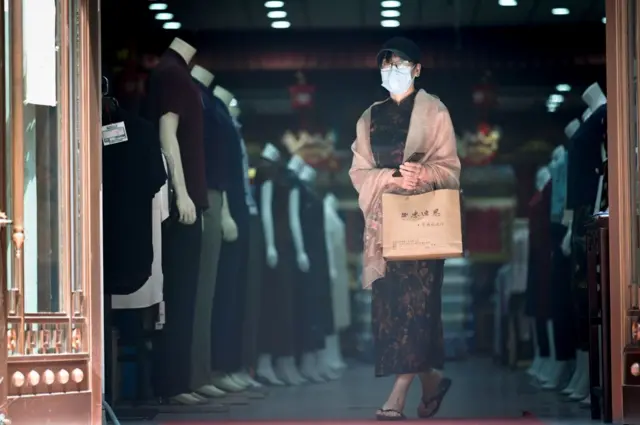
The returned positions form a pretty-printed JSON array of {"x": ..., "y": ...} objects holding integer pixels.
[{"x": 422, "y": 227}]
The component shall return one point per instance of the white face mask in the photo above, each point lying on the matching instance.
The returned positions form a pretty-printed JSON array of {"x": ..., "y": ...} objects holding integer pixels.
[{"x": 397, "y": 80}]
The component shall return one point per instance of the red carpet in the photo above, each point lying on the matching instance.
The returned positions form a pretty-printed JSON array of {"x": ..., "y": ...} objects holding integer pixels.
[{"x": 513, "y": 421}]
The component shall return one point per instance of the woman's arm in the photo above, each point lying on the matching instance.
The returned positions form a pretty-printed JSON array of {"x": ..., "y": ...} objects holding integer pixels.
[
  {"x": 366, "y": 178},
  {"x": 441, "y": 165}
]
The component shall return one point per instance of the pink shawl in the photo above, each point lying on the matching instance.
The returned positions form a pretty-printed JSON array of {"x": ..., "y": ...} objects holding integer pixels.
[{"x": 431, "y": 132}]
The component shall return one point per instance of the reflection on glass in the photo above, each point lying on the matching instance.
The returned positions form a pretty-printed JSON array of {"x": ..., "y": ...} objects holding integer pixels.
[{"x": 42, "y": 289}]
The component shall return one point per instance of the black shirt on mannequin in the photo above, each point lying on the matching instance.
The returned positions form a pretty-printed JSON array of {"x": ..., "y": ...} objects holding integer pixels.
[{"x": 171, "y": 89}]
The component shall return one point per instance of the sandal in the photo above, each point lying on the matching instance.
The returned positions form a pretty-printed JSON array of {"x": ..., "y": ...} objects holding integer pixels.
[
  {"x": 390, "y": 415},
  {"x": 443, "y": 388}
]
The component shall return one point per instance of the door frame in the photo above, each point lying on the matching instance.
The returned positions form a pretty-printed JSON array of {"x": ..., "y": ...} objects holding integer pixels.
[{"x": 63, "y": 387}]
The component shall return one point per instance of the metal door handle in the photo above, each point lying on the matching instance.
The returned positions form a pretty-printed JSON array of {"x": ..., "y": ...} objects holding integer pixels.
[{"x": 4, "y": 220}]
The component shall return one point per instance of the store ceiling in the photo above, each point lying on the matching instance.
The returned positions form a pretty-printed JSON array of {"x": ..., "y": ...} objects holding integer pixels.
[{"x": 358, "y": 14}]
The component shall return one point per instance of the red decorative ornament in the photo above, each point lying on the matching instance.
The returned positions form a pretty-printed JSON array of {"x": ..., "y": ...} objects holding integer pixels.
[{"x": 302, "y": 96}]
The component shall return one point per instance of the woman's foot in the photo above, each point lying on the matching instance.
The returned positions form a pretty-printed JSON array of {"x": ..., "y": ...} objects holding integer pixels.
[
  {"x": 434, "y": 389},
  {"x": 394, "y": 406}
]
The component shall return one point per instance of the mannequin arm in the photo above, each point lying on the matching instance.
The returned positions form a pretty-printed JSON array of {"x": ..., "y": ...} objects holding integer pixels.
[
  {"x": 229, "y": 227},
  {"x": 294, "y": 220},
  {"x": 296, "y": 229},
  {"x": 171, "y": 149},
  {"x": 266, "y": 213},
  {"x": 329, "y": 231}
]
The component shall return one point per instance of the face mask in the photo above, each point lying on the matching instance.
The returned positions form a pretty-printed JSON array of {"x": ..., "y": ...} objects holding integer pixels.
[{"x": 396, "y": 80}]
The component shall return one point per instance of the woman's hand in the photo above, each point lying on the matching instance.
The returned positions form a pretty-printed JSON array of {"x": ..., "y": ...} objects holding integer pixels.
[
  {"x": 413, "y": 174},
  {"x": 404, "y": 183}
]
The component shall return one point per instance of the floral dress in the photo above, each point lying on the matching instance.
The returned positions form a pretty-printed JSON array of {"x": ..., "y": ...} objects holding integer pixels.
[{"x": 406, "y": 302}]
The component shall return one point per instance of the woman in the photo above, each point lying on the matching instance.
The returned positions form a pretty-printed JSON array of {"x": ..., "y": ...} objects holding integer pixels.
[{"x": 407, "y": 327}]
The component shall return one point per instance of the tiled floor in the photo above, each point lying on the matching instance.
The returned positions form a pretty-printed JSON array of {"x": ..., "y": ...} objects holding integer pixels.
[{"x": 482, "y": 393}]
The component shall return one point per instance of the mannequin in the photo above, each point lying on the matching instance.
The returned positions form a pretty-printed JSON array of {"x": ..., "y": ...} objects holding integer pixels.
[
  {"x": 212, "y": 222},
  {"x": 581, "y": 356},
  {"x": 588, "y": 153},
  {"x": 230, "y": 294},
  {"x": 274, "y": 185},
  {"x": 563, "y": 324},
  {"x": 175, "y": 106},
  {"x": 340, "y": 295},
  {"x": 254, "y": 274},
  {"x": 538, "y": 287},
  {"x": 270, "y": 157},
  {"x": 318, "y": 308}
]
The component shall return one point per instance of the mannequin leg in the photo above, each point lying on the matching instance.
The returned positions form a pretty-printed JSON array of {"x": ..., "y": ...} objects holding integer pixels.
[
  {"x": 533, "y": 369},
  {"x": 562, "y": 308},
  {"x": 265, "y": 372},
  {"x": 549, "y": 362},
  {"x": 253, "y": 299},
  {"x": 334, "y": 353},
  {"x": 209, "y": 255},
  {"x": 180, "y": 266}
]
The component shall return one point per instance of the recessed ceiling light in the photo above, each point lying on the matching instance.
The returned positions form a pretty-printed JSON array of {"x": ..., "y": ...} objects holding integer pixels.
[
  {"x": 604, "y": 20},
  {"x": 280, "y": 24},
  {"x": 273, "y": 4},
  {"x": 390, "y": 4},
  {"x": 164, "y": 16},
  {"x": 390, "y": 23},
  {"x": 158, "y": 6},
  {"x": 277, "y": 14},
  {"x": 559, "y": 11},
  {"x": 563, "y": 88},
  {"x": 556, "y": 98},
  {"x": 390, "y": 13},
  {"x": 172, "y": 25},
  {"x": 507, "y": 3}
]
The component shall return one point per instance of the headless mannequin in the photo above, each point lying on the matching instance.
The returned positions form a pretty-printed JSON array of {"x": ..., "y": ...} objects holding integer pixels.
[
  {"x": 186, "y": 208},
  {"x": 285, "y": 368},
  {"x": 556, "y": 369},
  {"x": 236, "y": 381},
  {"x": 243, "y": 378},
  {"x": 315, "y": 365},
  {"x": 211, "y": 390},
  {"x": 594, "y": 98},
  {"x": 229, "y": 228},
  {"x": 541, "y": 372},
  {"x": 270, "y": 153},
  {"x": 170, "y": 148},
  {"x": 285, "y": 371},
  {"x": 335, "y": 234}
]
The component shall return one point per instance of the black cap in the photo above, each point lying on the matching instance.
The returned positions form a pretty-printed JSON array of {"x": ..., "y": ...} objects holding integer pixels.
[{"x": 403, "y": 47}]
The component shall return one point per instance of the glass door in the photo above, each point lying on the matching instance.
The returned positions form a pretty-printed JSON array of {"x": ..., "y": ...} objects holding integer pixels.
[{"x": 49, "y": 369}]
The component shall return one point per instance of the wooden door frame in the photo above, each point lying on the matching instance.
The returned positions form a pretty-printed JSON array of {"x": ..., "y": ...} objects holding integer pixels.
[
  {"x": 63, "y": 387},
  {"x": 622, "y": 199}
]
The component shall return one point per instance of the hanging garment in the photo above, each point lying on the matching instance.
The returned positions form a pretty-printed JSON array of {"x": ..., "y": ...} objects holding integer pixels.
[
  {"x": 340, "y": 294},
  {"x": 151, "y": 292}
]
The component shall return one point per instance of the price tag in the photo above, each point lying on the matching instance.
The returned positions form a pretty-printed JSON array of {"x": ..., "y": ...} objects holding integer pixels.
[{"x": 114, "y": 133}]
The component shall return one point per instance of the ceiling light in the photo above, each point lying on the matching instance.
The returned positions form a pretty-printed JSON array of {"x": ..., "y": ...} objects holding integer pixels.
[
  {"x": 277, "y": 14},
  {"x": 164, "y": 16},
  {"x": 158, "y": 6},
  {"x": 273, "y": 4},
  {"x": 556, "y": 98},
  {"x": 280, "y": 24},
  {"x": 390, "y": 23},
  {"x": 507, "y": 3},
  {"x": 390, "y": 13},
  {"x": 559, "y": 11},
  {"x": 563, "y": 88},
  {"x": 172, "y": 25},
  {"x": 604, "y": 20},
  {"x": 387, "y": 4}
]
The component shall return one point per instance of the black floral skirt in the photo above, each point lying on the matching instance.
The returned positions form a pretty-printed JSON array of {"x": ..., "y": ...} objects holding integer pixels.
[{"x": 407, "y": 321}]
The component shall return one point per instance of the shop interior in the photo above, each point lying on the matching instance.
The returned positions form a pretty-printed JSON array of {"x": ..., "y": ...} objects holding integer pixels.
[{"x": 254, "y": 310}]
